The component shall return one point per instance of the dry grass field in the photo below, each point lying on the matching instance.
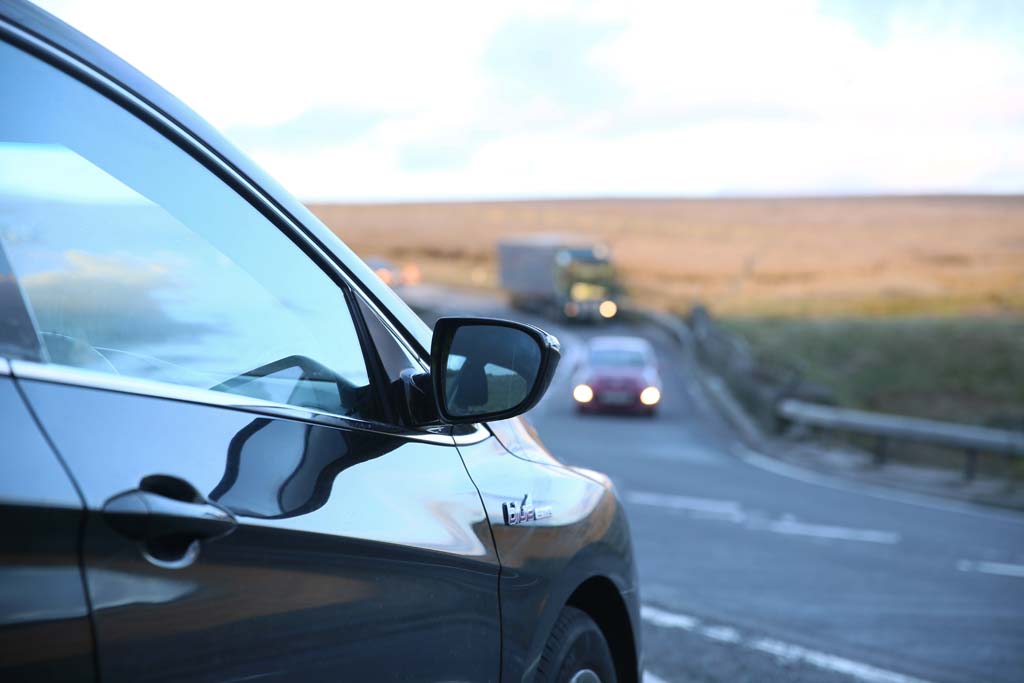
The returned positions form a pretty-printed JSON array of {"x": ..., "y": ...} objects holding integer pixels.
[{"x": 821, "y": 256}]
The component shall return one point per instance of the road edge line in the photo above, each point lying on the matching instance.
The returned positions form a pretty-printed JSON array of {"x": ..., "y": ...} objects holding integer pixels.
[{"x": 781, "y": 650}]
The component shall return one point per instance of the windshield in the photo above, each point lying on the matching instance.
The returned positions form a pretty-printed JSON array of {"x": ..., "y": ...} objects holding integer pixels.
[
  {"x": 618, "y": 358},
  {"x": 592, "y": 255}
]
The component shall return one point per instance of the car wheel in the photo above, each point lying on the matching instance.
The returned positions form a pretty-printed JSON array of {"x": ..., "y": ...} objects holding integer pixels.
[{"x": 576, "y": 652}]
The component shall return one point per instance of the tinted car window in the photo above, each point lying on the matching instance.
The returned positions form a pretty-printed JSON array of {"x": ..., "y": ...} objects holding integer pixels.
[
  {"x": 394, "y": 357},
  {"x": 618, "y": 358},
  {"x": 136, "y": 260}
]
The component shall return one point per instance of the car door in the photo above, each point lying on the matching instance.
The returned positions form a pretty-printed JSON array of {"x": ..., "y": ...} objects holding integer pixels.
[
  {"x": 254, "y": 508},
  {"x": 44, "y": 615},
  {"x": 563, "y": 539}
]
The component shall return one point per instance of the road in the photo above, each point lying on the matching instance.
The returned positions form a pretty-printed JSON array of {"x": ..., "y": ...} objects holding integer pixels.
[{"x": 754, "y": 571}]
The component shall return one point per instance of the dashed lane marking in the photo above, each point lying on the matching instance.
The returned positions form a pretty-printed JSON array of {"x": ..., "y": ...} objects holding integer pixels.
[
  {"x": 732, "y": 511},
  {"x": 784, "y": 652},
  {"x": 724, "y": 508},
  {"x": 905, "y": 497},
  {"x": 997, "y": 568},
  {"x": 839, "y": 533}
]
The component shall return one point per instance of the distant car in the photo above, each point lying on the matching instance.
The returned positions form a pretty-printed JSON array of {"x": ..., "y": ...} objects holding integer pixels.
[
  {"x": 391, "y": 274},
  {"x": 386, "y": 270},
  {"x": 618, "y": 374}
]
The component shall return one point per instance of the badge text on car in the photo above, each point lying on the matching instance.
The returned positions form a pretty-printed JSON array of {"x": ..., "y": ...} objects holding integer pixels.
[{"x": 522, "y": 512}]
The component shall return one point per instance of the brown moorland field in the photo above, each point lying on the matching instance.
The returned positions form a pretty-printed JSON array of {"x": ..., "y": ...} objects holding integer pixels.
[{"x": 815, "y": 256}]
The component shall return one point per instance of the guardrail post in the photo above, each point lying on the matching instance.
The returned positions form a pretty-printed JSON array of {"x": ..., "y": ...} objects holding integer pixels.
[
  {"x": 970, "y": 464},
  {"x": 880, "y": 445}
]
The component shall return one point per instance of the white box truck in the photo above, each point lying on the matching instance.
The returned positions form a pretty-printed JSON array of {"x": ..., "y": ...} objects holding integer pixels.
[{"x": 559, "y": 276}]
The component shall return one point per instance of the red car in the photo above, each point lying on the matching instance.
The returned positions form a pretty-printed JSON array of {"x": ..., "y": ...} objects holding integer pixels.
[{"x": 618, "y": 374}]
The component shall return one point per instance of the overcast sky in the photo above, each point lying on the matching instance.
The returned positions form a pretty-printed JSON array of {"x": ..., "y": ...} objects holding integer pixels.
[{"x": 375, "y": 100}]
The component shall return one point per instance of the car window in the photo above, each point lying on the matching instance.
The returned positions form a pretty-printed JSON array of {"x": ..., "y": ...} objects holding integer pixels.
[
  {"x": 625, "y": 358},
  {"x": 136, "y": 260},
  {"x": 395, "y": 358}
]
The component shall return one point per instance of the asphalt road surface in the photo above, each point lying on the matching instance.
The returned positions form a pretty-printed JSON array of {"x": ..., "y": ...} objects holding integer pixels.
[{"x": 755, "y": 571}]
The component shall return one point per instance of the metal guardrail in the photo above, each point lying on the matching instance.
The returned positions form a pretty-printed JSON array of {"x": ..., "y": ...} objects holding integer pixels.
[
  {"x": 772, "y": 395},
  {"x": 970, "y": 438}
]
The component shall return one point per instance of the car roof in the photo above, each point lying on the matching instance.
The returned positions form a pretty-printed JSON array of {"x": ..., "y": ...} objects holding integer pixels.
[
  {"x": 623, "y": 343},
  {"x": 53, "y": 32},
  {"x": 547, "y": 239}
]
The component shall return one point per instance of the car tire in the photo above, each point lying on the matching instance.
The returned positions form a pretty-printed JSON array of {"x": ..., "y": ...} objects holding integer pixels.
[{"x": 576, "y": 652}]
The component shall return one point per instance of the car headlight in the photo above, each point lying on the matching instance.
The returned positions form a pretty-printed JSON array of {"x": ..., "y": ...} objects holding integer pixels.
[
  {"x": 583, "y": 393},
  {"x": 650, "y": 396}
]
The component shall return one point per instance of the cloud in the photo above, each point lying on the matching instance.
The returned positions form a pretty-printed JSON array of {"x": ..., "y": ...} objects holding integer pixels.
[
  {"x": 550, "y": 59},
  {"x": 312, "y": 128},
  {"x": 464, "y": 99}
]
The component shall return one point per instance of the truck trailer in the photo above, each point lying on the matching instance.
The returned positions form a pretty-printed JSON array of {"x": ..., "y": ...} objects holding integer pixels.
[{"x": 558, "y": 276}]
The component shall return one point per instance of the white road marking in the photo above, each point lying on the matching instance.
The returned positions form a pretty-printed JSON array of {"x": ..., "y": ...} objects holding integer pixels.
[
  {"x": 653, "y": 678},
  {"x": 784, "y": 651},
  {"x": 839, "y": 533},
  {"x": 997, "y": 568},
  {"x": 660, "y": 617},
  {"x": 834, "y": 482},
  {"x": 732, "y": 511},
  {"x": 726, "y": 634},
  {"x": 859, "y": 670},
  {"x": 725, "y": 508}
]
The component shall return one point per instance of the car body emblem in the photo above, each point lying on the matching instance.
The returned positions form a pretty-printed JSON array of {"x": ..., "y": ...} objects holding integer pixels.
[{"x": 520, "y": 512}]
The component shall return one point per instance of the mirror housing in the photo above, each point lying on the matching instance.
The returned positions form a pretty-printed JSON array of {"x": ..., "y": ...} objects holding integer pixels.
[{"x": 488, "y": 369}]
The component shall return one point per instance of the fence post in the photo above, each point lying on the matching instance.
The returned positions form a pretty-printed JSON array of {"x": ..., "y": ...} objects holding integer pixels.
[{"x": 970, "y": 464}]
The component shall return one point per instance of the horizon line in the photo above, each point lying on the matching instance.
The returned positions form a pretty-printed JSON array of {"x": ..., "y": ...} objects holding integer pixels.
[{"x": 524, "y": 199}]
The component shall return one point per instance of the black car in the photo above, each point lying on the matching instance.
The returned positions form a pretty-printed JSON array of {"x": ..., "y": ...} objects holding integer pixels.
[{"x": 228, "y": 452}]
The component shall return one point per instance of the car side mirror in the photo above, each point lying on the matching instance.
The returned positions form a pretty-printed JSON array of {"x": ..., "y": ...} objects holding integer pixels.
[{"x": 487, "y": 369}]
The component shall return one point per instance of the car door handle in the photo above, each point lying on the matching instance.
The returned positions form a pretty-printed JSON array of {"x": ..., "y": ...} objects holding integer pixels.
[{"x": 144, "y": 515}]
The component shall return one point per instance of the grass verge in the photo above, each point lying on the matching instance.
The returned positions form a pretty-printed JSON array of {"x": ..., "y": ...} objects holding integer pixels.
[{"x": 964, "y": 369}]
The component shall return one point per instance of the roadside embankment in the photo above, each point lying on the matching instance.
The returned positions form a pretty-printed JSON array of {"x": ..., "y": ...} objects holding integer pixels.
[{"x": 841, "y": 364}]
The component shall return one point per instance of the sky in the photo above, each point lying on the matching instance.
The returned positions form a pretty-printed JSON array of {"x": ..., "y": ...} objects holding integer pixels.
[{"x": 396, "y": 101}]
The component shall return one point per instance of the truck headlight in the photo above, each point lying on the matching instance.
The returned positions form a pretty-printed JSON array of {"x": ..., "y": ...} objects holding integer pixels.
[{"x": 608, "y": 309}]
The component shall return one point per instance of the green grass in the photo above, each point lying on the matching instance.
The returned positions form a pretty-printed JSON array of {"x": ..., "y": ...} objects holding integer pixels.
[{"x": 962, "y": 369}]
